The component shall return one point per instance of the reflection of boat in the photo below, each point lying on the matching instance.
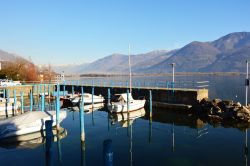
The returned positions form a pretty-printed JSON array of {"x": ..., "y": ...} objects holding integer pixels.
[
  {"x": 31, "y": 140},
  {"x": 126, "y": 119},
  {"x": 88, "y": 108},
  {"x": 121, "y": 103},
  {"x": 28, "y": 122}
]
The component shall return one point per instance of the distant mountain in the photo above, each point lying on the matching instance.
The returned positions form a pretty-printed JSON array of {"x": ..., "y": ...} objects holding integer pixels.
[
  {"x": 225, "y": 54},
  {"x": 232, "y": 41},
  {"x": 190, "y": 58},
  {"x": 118, "y": 63},
  {"x": 230, "y": 61},
  {"x": 69, "y": 69}
]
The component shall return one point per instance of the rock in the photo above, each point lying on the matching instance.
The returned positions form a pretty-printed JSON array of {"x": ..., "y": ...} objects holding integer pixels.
[
  {"x": 245, "y": 110},
  {"x": 216, "y": 101},
  {"x": 204, "y": 100},
  {"x": 228, "y": 102},
  {"x": 238, "y": 104},
  {"x": 222, "y": 105}
]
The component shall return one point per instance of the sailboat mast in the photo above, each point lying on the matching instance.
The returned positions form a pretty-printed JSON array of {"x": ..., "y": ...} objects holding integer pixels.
[{"x": 129, "y": 64}]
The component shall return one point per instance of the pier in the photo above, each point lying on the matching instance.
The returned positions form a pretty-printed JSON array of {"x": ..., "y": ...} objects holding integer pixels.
[{"x": 161, "y": 97}]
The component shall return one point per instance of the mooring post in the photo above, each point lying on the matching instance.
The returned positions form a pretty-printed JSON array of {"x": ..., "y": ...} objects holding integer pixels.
[
  {"x": 22, "y": 101},
  {"x": 58, "y": 107},
  {"x": 82, "y": 116},
  {"x": 107, "y": 152},
  {"x": 128, "y": 100},
  {"x": 150, "y": 102},
  {"x": 93, "y": 91},
  {"x": 83, "y": 157},
  {"x": 49, "y": 142},
  {"x": 150, "y": 130},
  {"x": 4, "y": 91},
  {"x": 43, "y": 103},
  {"x": 31, "y": 101},
  {"x": 14, "y": 105},
  {"x": 108, "y": 96}
]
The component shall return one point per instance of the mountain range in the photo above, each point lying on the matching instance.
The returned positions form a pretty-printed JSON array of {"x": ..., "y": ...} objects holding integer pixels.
[{"x": 226, "y": 54}]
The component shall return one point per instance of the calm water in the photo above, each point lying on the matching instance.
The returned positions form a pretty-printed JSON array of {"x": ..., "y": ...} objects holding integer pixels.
[{"x": 171, "y": 138}]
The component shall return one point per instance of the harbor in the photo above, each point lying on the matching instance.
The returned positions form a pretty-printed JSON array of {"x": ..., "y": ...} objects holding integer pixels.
[{"x": 91, "y": 130}]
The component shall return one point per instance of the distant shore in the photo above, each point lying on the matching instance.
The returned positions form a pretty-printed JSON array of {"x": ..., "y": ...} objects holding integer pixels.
[{"x": 165, "y": 74}]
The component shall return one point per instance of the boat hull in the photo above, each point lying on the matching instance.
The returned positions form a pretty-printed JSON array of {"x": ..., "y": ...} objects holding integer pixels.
[
  {"x": 122, "y": 107},
  {"x": 28, "y": 122}
]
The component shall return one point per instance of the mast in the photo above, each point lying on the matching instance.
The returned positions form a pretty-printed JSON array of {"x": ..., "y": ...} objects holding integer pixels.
[{"x": 129, "y": 64}]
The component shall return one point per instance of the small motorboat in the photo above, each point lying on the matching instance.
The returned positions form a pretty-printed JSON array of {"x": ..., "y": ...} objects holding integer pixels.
[
  {"x": 87, "y": 99},
  {"x": 120, "y": 105},
  {"x": 28, "y": 122}
]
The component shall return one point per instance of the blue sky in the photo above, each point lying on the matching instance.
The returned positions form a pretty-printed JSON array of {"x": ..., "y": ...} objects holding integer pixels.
[{"x": 71, "y": 31}]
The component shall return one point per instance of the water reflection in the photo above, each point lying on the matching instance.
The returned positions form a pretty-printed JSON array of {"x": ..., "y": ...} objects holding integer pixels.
[
  {"x": 125, "y": 120},
  {"x": 31, "y": 141}
]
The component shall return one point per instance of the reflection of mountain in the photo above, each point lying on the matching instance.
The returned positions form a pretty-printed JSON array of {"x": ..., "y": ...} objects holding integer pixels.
[
  {"x": 30, "y": 141},
  {"x": 126, "y": 119},
  {"x": 179, "y": 118}
]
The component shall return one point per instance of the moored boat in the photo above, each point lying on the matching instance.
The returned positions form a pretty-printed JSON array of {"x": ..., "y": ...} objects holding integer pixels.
[
  {"x": 28, "y": 122},
  {"x": 121, "y": 105}
]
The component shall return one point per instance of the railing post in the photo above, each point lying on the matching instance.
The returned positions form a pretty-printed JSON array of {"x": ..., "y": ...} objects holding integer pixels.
[
  {"x": 22, "y": 101},
  {"x": 43, "y": 103},
  {"x": 31, "y": 101},
  {"x": 14, "y": 110}
]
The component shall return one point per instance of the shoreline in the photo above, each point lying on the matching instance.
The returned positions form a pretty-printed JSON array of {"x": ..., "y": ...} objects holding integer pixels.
[{"x": 166, "y": 74}]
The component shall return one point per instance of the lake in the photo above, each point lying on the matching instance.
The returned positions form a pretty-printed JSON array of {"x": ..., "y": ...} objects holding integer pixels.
[{"x": 169, "y": 138}]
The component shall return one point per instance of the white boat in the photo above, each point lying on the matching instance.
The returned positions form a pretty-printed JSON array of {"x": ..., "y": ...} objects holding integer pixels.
[
  {"x": 87, "y": 99},
  {"x": 6, "y": 82},
  {"x": 122, "y": 105},
  {"x": 28, "y": 122},
  {"x": 126, "y": 119}
]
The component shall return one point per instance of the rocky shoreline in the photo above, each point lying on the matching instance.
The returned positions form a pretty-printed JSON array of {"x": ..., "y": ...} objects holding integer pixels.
[{"x": 222, "y": 111}]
